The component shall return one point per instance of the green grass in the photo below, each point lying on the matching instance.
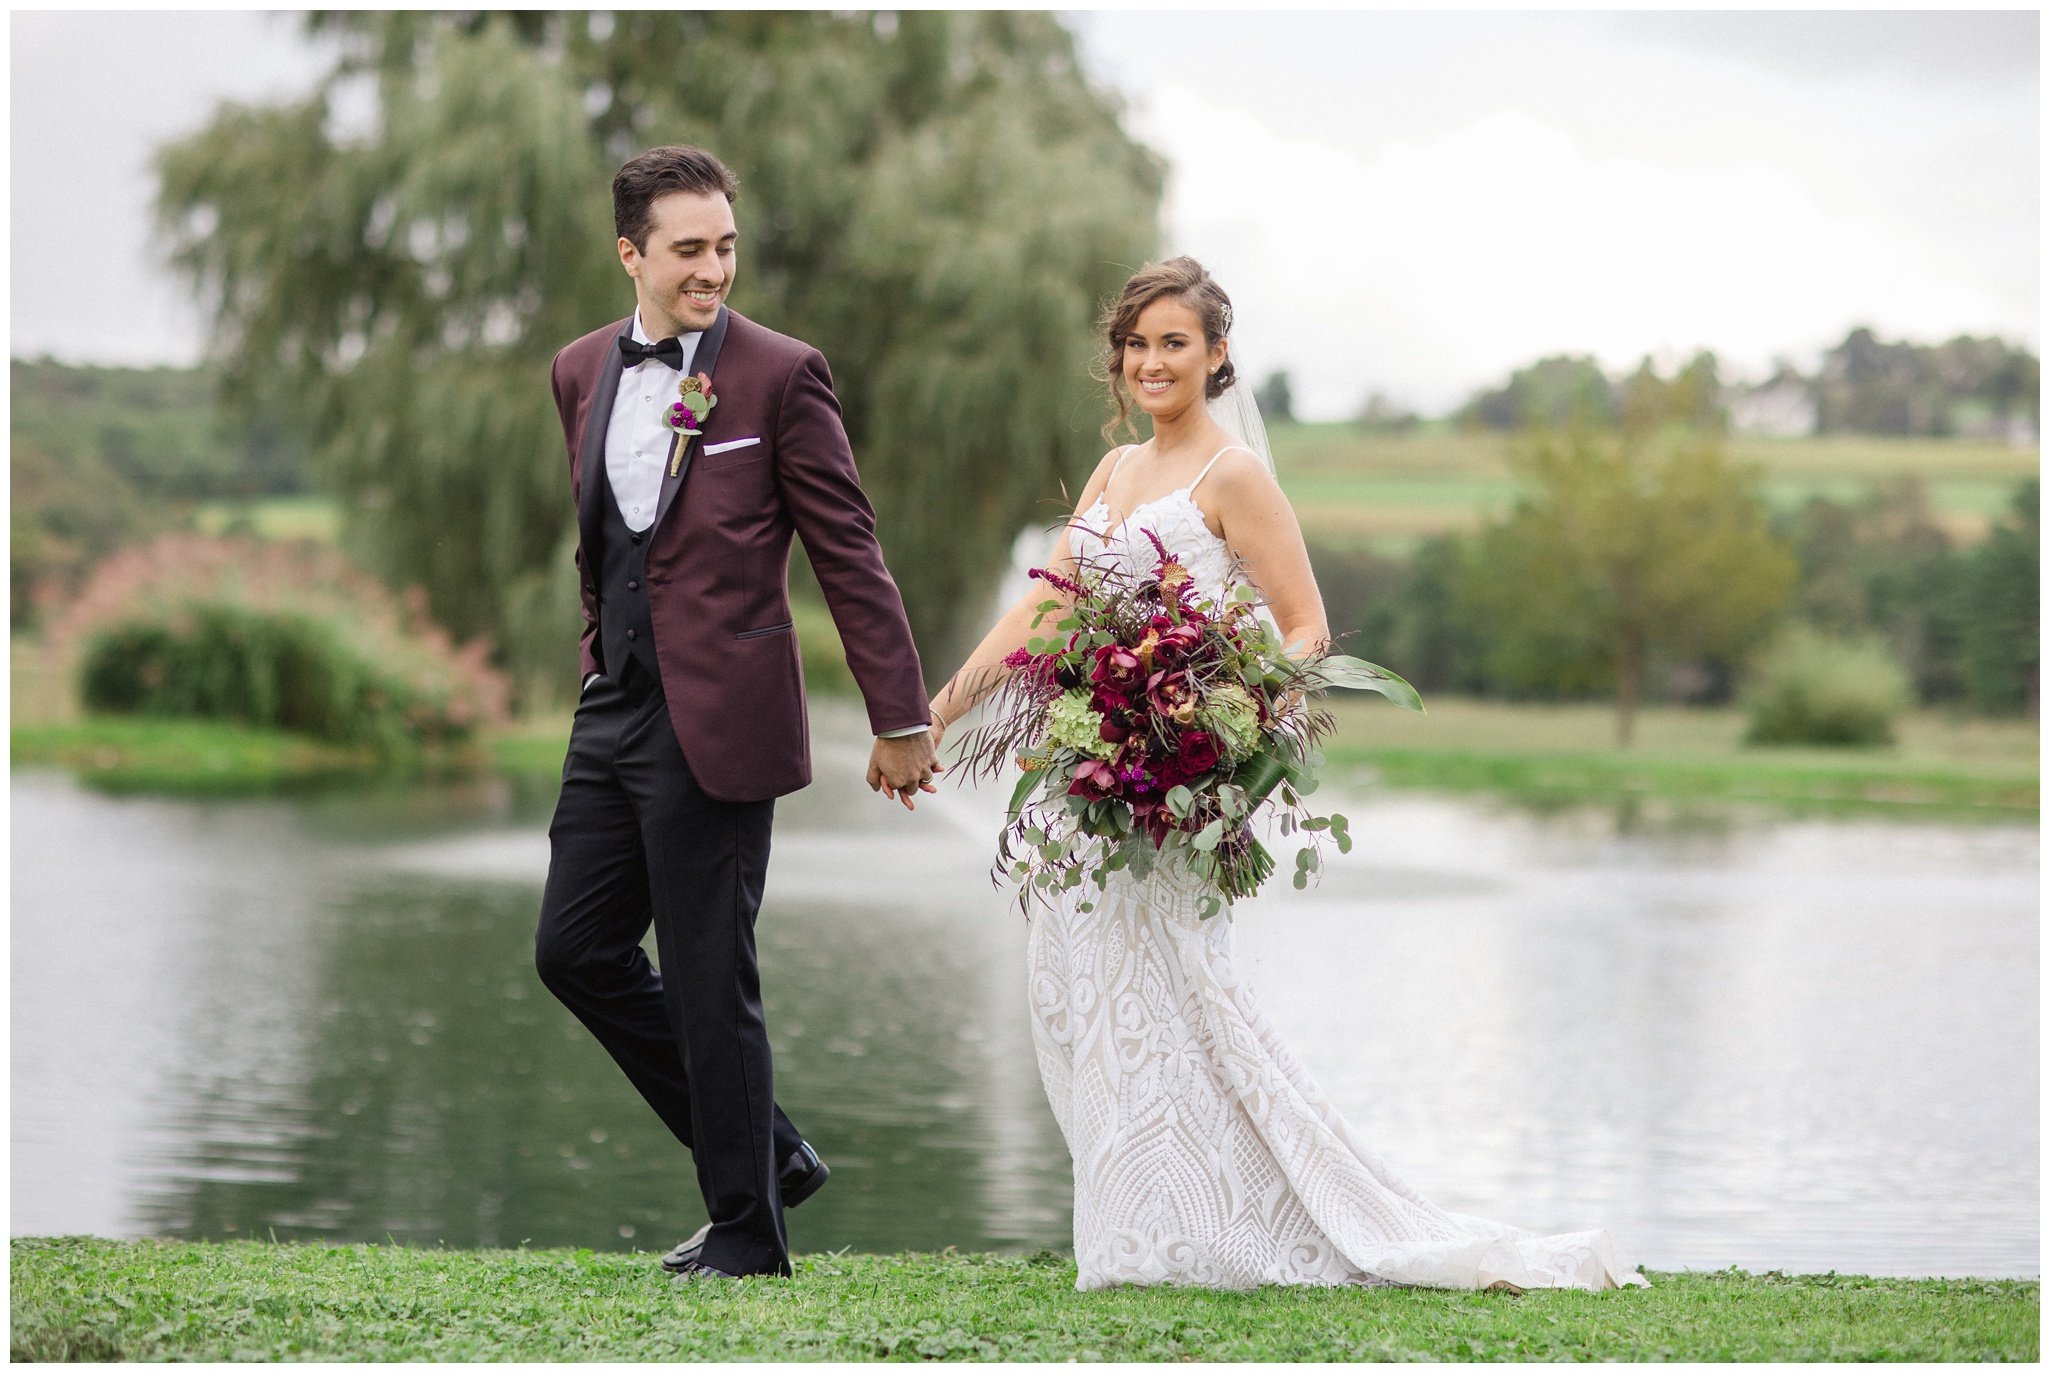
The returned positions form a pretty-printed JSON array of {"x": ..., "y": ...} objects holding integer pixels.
[
  {"x": 124, "y": 1300},
  {"x": 1386, "y": 491},
  {"x": 1969, "y": 769},
  {"x": 1940, "y": 767},
  {"x": 186, "y": 757},
  {"x": 533, "y": 747},
  {"x": 273, "y": 517},
  {"x": 215, "y": 758}
]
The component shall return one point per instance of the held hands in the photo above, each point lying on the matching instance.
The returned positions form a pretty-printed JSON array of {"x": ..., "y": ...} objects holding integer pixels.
[{"x": 901, "y": 768}]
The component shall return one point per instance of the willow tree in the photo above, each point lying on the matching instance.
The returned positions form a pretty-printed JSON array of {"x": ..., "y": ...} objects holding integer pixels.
[
  {"x": 939, "y": 201},
  {"x": 1619, "y": 552}
]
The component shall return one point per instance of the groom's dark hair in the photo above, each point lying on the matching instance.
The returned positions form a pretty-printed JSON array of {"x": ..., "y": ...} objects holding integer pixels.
[{"x": 659, "y": 172}]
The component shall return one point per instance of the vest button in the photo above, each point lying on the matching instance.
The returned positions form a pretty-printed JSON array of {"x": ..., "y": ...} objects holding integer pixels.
[
  {"x": 633, "y": 586},
  {"x": 633, "y": 634},
  {"x": 637, "y": 538}
]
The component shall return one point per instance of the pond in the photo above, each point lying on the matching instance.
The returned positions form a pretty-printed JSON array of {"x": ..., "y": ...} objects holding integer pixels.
[{"x": 1730, "y": 1038}]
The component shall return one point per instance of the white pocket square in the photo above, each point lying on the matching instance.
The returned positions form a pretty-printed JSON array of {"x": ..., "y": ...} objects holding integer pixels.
[{"x": 712, "y": 448}]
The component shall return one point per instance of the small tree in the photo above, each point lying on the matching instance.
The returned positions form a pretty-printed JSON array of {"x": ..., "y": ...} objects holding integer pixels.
[
  {"x": 1277, "y": 401},
  {"x": 2002, "y": 610},
  {"x": 1617, "y": 553}
]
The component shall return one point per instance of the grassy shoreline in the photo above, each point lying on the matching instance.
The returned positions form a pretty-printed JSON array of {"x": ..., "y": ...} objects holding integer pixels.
[
  {"x": 98, "y": 1299},
  {"x": 1943, "y": 768}
]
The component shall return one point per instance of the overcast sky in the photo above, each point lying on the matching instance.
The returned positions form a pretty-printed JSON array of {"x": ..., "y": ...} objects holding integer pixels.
[{"x": 1406, "y": 202}]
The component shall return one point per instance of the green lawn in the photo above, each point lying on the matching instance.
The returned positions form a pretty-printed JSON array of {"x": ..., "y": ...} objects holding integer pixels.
[
  {"x": 1940, "y": 768},
  {"x": 273, "y": 517},
  {"x": 1385, "y": 491},
  {"x": 187, "y": 757},
  {"x": 106, "y": 1300}
]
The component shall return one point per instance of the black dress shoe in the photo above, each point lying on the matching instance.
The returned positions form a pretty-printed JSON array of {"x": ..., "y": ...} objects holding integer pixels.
[
  {"x": 686, "y": 1254},
  {"x": 802, "y": 1174},
  {"x": 694, "y": 1271}
]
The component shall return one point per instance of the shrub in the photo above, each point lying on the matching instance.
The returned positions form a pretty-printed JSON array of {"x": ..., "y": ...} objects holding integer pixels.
[
  {"x": 1813, "y": 688},
  {"x": 287, "y": 636}
]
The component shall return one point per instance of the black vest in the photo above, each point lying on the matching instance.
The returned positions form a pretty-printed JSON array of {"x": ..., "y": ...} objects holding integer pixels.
[{"x": 625, "y": 630}]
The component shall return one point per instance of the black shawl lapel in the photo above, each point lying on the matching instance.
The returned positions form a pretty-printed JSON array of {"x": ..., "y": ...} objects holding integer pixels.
[
  {"x": 590, "y": 498},
  {"x": 706, "y": 358}
]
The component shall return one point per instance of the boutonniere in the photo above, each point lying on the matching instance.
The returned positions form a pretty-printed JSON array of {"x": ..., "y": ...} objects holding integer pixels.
[{"x": 687, "y": 417}]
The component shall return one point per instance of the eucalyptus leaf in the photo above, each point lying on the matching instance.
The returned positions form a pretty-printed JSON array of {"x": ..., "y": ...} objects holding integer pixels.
[{"x": 1207, "y": 838}]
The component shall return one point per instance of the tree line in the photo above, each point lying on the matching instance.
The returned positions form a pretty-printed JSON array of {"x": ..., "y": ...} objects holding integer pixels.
[
  {"x": 1641, "y": 574},
  {"x": 1864, "y": 385}
]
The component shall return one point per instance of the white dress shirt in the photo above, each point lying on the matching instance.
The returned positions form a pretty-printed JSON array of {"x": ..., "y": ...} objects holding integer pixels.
[{"x": 638, "y": 438}]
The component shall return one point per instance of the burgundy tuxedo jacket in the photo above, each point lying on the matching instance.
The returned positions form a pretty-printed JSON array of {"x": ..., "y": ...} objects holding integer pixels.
[{"x": 719, "y": 552}]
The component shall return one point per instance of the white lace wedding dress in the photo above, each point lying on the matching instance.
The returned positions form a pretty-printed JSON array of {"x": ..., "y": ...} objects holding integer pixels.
[{"x": 1203, "y": 1153}]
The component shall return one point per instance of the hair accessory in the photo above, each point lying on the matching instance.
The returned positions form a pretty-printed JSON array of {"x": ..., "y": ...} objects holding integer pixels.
[{"x": 1227, "y": 317}]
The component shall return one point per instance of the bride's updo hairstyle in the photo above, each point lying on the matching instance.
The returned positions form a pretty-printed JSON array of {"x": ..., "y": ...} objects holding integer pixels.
[{"x": 1186, "y": 280}]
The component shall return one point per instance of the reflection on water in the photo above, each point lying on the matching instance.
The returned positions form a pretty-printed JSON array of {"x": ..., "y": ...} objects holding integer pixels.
[{"x": 1805, "y": 1045}]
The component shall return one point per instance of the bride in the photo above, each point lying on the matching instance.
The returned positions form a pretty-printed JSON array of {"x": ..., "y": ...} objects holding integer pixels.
[{"x": 1203, "y": 1153}]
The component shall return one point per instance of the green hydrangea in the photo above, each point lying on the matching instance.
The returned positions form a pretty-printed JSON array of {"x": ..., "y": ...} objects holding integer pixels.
[
  {"x": 1071, "y": 722},
  {"x": 1233, "y": 720}
]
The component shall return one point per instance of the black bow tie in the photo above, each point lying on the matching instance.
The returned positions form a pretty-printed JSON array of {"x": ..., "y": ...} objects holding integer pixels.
[{"x": 667, "y": 351}]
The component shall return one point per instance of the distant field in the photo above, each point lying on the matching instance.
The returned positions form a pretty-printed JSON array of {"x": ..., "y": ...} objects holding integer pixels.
[
  {"x": 274, "y": 517},
  {"x": 1386, "y": 491},
  {"x": 1941, "y": 767}
]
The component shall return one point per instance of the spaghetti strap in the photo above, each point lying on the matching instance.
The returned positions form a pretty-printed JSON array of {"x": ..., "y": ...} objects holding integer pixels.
[
  {"x": 1116, "y": 464},
  {"x": 1191, "y": 487}
]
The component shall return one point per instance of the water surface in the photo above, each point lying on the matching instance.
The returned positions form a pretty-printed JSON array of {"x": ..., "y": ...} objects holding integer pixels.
[{"x": 1731, "y": 1039}]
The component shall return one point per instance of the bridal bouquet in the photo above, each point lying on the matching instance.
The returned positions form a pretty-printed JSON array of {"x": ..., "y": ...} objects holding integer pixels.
[{"x": 1152, "y": 722}]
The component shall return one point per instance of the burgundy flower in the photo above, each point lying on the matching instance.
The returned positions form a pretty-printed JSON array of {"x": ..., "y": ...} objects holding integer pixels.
[
  {"x": 1118, "y": 668},
  {"x": 1174, "y": 646},
  {"x": 1197, "y": 754},
  {"x": 1094, "y": 780},
  {"x": 1108, "y": 703},
  {"x": 1057, "y": 580},
  {"x": 1155, "y": 818},
  {"x": 1170, "y": 694}
]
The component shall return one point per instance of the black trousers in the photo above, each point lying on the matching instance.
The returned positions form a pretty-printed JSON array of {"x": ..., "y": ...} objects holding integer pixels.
[{"x": 634, "y": 842}]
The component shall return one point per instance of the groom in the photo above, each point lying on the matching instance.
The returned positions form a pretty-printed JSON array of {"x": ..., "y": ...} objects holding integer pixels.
[{"x": 692, "y": 717}]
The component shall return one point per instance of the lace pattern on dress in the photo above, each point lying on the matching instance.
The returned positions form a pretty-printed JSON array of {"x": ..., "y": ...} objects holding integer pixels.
[{"x": 1203, "y": 1153}]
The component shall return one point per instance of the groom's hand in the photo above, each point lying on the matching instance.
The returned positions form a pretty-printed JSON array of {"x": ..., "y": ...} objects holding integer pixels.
[{"x": 904, "y": 767}]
